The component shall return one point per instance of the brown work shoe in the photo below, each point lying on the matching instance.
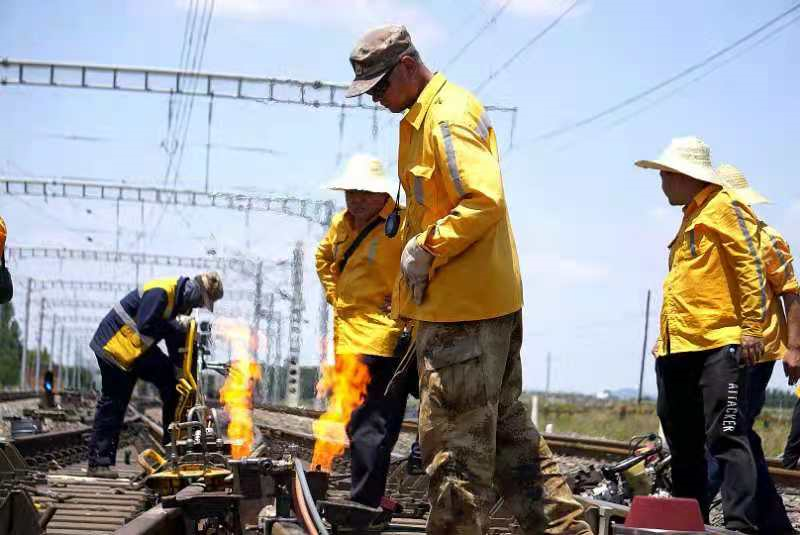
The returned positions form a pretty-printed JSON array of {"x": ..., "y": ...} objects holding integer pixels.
[{"x": 102, "y": 472}]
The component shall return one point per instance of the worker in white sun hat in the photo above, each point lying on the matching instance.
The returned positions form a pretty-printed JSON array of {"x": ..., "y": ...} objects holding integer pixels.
[
  {"x": 357, "y": 264},
  {"x": 781, "y": 342},
  {"x": 711, "y": 329}
]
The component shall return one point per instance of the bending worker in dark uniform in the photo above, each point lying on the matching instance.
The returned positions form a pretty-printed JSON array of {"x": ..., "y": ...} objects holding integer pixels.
[{"x": 126, "y": 350}]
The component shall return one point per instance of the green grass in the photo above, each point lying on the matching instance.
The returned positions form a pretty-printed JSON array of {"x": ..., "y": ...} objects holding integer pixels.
[{"x": 621, "y": 421}]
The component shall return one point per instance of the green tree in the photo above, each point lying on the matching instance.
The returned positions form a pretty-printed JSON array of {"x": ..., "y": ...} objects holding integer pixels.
[
  {"x": 780, "y": 398},
  {"x": 10, "y": 346}
]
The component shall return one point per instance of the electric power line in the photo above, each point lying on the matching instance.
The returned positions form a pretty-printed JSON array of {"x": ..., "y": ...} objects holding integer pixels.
[
  {"x": 489, "y": 23},
  {"x": 699, "y": 77},
  {"x": 660, "y": 85},
  {"x": 653, "y": 103},
  {"x": 527, "y": 45},
  {"x": 197, "y": 65}
]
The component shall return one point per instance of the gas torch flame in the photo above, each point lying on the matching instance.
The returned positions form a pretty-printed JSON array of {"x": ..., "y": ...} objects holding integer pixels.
[
  {"x": 345, "y": 382},
  {"x": 237, "y": 392}
]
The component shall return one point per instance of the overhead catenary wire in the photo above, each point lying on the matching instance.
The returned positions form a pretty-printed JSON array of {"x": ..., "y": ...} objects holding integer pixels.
[
  {"x": 197, "y": 65},
  {"x": 666, "y": 82},
  {"x": 488, "y": 24},
  {"x": 769, "y": 36},
  {"x": 679, "y": 89},
  {"x": 527, "y": 45},
  {"x": 90, "y": 138},
  {"x": 176, "y": 99}
]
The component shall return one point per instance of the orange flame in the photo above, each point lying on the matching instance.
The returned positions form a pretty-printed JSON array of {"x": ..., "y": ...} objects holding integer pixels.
[
  {"x": 346, "y": 383},
  {"x": 237, "y": 392}
]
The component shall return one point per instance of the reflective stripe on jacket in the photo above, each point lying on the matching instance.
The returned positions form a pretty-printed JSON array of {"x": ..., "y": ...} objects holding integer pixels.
[
  {"x": 781, "y": 280},
  {"x": 716, "y": 289},
  {"x": 449, "y": 167},
  {"x": 358, "y": 295},
  {"x": 138, "y": 321}
]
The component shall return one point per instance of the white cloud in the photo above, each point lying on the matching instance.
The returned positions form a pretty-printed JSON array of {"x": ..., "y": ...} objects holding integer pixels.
[{"x": 351, "y": 15}]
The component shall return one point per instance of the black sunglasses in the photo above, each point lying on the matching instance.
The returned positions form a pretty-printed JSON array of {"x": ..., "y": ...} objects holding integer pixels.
[{"x": 380, "y": 88}]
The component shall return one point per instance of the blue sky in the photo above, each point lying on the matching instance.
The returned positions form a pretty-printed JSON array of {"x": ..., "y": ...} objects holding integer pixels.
[{"x": 591, "y": 228}]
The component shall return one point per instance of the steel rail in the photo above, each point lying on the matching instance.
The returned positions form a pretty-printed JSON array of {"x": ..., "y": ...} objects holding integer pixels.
[
  {"x": 566, "y": 444},
  {"x": 11, "y": 395}
]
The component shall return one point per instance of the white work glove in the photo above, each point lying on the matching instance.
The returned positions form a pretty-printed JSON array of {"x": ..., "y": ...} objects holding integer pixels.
[
  {"x": 183, "y": 322},
  {"x": 415, "y": 263}
]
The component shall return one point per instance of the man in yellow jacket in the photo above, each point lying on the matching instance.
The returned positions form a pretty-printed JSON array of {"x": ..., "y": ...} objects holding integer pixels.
[
  {"x": 125, "y": 344},
  {"x": 357, "y": 265},
  {"x": 461, "y": 284},
  {"x": 712, "y": 328},
  {"x": 781, "y": 342},
  {"x": 6, "y": 286}
]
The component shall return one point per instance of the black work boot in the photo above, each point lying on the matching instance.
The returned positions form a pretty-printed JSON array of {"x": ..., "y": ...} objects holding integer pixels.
[{"x": 102, "y": 472}]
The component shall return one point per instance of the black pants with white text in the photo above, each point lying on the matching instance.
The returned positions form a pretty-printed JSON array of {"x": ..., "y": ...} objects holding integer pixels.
[{"x": 702, "y": 399}]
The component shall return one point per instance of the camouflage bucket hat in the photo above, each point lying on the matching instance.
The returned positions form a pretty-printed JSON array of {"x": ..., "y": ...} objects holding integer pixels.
[
  {"x": 210, "y": 284},
  {"x": 375, "y": 54}
]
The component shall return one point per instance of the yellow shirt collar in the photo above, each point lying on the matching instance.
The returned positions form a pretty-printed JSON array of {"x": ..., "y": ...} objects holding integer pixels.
[
  {"x": 416, "y": 113},
  {"x": 700, "y": 199}
]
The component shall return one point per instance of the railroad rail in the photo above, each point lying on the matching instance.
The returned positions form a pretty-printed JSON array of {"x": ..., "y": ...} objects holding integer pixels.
[
  {"x": 567, "y": 444},
  {"x": 13, "y": 395},
  {"x": 78, "y": 505}
]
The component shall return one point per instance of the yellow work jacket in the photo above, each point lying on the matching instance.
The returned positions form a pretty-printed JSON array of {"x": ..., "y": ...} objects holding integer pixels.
[
  {"x": 3, "y": 233},
  {"x": 449, "y": 167},
  {"x": 777, "y": 259},
  {"x": 138, "y": 321},
  {"x": 359, "y": 294},
  {"x": 715, "y": 290}
]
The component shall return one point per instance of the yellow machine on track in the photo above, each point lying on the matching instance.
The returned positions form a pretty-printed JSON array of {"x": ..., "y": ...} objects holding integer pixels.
[{"x": 196, "y": 449}]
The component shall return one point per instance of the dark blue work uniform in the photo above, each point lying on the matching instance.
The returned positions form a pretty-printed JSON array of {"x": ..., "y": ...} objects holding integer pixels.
[{"x": 126, "y": 350}]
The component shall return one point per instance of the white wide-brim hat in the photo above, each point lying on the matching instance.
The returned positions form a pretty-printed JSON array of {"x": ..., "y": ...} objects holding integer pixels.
[
  {"x": 363, "y": 173},
  {"x": 736, "y": 183},
  {"x": 687, "y": 156}
]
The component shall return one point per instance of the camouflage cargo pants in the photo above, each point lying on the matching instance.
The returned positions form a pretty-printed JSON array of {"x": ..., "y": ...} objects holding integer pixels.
[
  {"x": 476, "y": 434},
  {"x": 564, "y": 513}
]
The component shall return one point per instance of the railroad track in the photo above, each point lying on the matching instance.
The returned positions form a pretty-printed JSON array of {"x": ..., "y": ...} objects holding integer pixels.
[
  {"x": 86, "y": 506},
  {"x": 567, "y": 445},
  {"x": 11, "y": 395},
  {"x": 51, "y": 469}
]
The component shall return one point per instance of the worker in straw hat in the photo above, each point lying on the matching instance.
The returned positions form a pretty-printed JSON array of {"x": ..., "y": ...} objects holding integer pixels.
[
  {"x": 781, "y": 342},
  {"x": 711, "y": 330},
  {"x": 357, "y": 264},
  {"x": 125, "y": 344}
]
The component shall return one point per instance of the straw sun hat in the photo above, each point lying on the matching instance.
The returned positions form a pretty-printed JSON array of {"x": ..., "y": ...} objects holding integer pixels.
[
  {"x": 363, "y": 173},
  {"x": 736, "y": 183},
  {"x": 688, "y": 156}
]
